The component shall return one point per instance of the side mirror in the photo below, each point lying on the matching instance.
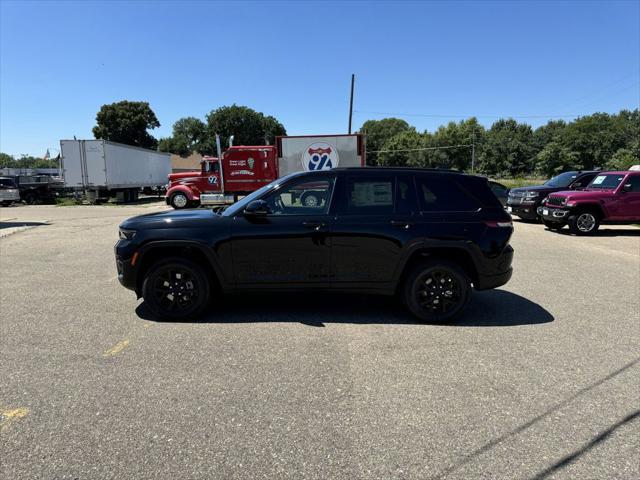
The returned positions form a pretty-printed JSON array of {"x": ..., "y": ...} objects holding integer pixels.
[
  {"x": 627, "y": 187},
  {"x": 257, "y": 208}
]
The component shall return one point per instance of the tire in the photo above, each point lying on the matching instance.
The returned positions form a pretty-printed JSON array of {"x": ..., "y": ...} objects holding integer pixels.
[
  {"x": 552, "y": 225},
  {"x": 442, "y": 280},
  {"x": 7, "y": 204},
  {"x": 179, "y": 201},
  {"x": 311, "y": 199},
  {"x": 170, "y": 279},
  {"x": 30, "y": 198},
  {"x": 585, "y": 222}
]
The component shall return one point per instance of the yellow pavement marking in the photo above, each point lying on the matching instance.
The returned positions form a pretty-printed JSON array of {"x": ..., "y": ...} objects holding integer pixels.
[
  {"x": 117, "y": 348},
  {"x": 8, "y": 416}
]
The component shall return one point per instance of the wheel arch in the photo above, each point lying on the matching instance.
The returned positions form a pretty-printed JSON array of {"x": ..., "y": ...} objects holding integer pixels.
[
  {"x": 457, "y": 255},
  {"x": 589, "y": 207},
  {"x": 152, "y": 252},
  {"x": 191, "y": 195}
]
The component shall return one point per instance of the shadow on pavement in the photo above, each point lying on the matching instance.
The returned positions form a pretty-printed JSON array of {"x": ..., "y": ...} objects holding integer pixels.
[
  {"x": 494, "y": 308},
  {"x": 12, "y": 224},
  {"x": 608, "y": 232}
]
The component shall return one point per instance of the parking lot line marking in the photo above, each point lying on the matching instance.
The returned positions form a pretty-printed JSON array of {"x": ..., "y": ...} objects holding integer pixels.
[
  {"x": 8, "y": 416},
  {"x": 117, "y": 348}
]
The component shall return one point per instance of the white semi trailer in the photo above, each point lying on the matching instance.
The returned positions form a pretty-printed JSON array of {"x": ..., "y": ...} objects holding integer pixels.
[{"x": 104, "y": 169}]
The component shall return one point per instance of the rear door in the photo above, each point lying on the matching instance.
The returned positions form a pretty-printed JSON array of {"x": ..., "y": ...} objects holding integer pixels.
[{"x": 377, "y": 217}]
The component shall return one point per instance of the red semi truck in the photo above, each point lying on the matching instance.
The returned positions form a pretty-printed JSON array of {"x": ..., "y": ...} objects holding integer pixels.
[{"x": 246, "y": 168}]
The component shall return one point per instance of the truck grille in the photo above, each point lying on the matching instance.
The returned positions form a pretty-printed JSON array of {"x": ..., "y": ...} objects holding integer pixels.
[{"x": 556, "y": 201}]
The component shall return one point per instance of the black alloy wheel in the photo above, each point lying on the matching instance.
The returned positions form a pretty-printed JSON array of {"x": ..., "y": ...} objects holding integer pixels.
[
  {"x": 176, "y": 289},
  {"x": 437, "y": 291}
]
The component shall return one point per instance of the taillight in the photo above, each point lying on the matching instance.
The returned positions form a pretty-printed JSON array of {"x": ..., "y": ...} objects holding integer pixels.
[{"x": 499, "y": 224}]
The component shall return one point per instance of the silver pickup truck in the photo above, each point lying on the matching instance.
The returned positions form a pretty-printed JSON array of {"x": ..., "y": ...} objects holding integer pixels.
[{"x": 9, "y": 192}]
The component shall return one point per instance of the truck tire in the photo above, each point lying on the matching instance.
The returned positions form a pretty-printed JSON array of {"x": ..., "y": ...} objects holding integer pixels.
[
  {"x": 179, "y": 201},
  {"x": 176, "y": 289},
  {"x": 30, "y": 198},
  {"x": 311, "y": 199},
  {"x": 584, "y": 222},
  {"x": 436, "y": 291},
  {"x": 555, "y": 226}
]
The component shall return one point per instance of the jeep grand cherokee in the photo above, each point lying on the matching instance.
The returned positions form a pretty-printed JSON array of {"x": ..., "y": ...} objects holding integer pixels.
[{"x": 428, "y": 236}]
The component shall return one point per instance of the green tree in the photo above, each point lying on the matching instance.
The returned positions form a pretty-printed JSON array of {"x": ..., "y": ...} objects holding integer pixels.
[
  {"x": 404, "y": 149},
  {"x": 379, "y": 132},
  {"x": 127, "y": 122},
  {"x": 449, "y": 140},
  {"x": 189, "y": 135},
  {"x": 624, "y": 158},
  {"x": 508, "y": 149},
  {"x": 246, "y": 125},
  {"x": 272, "y": 128},
  {"x": 6, "y": 161},
  {"x": 548, "y": 133},
  {"x": 555, "y": 158}
]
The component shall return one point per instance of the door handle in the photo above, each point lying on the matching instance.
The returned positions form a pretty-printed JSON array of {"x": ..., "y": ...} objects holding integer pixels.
[
  {"x": 401, "y": 224},
  {"x": 315, "y": 225}
]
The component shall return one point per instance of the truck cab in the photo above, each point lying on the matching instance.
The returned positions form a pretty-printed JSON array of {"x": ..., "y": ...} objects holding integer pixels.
[{"x": 244, "y": 170}]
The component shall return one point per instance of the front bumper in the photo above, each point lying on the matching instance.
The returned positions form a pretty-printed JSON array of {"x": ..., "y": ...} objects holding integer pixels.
[
  {"x": 528, "y": 212},
  {"x": 127, "y": 273},
  {"x": 557, "y": 215}
]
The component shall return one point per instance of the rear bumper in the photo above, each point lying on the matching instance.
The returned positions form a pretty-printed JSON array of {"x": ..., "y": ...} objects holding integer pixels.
[
  {"x": 499, "y": 274},
  {"x": 486, "y": 282}
]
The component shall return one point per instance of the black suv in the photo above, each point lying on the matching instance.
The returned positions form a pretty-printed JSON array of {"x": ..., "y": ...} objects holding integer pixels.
[
  {"x": 428, "y": 236},
  {"x": 524, "y": 201}
]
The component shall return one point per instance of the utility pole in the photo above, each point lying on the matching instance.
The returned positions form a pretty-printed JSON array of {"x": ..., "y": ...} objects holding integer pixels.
[
  {"x": 473, "y": 148},
  {"x": 353, "y": 79}
]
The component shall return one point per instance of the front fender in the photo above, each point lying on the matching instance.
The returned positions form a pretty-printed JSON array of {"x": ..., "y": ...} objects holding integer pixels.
[{"x": 192, "y": 194}]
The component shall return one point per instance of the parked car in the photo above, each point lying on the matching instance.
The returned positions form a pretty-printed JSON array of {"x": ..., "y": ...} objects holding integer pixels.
[
  {"x": 611, "y": 197},
  {"x": 523, "y": 202},
  {"x": 500, "y": 191},
  {"x": 9, "y": 192},
  {"x": 427, "y": 235}
]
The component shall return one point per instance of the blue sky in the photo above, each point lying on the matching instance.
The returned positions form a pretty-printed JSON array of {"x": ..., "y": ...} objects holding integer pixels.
[{"x": 440, "y": 61}]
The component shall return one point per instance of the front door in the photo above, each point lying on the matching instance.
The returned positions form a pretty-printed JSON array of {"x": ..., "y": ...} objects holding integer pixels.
[
  {"x": 290, "y": 245},
  {"x": 629, "y": 200}
]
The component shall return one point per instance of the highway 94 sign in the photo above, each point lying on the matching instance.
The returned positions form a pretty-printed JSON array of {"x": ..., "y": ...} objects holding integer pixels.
[{"x": 319, "y": 156}]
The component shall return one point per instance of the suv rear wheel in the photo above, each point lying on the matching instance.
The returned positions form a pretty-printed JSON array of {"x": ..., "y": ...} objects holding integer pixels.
[
  {"x": 176, "y": 289},
  {"x": 436, "y": 291},
  {"x": 584, "y": 222}
]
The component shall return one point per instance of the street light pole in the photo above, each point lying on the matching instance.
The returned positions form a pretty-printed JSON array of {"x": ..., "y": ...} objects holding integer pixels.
[{"x": 353, "y": 79}]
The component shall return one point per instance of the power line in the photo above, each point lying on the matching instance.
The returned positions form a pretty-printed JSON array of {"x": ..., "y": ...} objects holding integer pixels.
[
  {"x": 441, "y": 115},
  {"x": 445, "y": 147}
]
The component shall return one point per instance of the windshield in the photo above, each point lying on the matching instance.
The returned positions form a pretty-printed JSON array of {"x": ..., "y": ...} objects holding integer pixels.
[
  {"x": 606, "y": 181},
  {"x": 237, "y": 207},
  {"x": 562, "y": 180}
]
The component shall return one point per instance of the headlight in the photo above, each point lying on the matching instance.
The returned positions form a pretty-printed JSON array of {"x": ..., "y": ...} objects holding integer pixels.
[
  {"x": 126, "y": 234},
  {"x": 531, "y": 194}
]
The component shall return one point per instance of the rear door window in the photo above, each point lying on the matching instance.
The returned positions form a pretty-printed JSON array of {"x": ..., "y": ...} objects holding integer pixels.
[
  {"x": 441, "y": 193},
  {"x": 370, "y": 195}
]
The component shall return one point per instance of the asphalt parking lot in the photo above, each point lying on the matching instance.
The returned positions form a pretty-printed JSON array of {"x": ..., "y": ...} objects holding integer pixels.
[{"x": 539, "y": 379}]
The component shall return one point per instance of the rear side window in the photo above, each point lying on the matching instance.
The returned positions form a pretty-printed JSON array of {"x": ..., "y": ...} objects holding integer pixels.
[
  {"x": 441, "y": 193},
  {"x": 372, "y": 196},
  {"x": 583, "y": 181},
  {"x": 634, "y": 180}
]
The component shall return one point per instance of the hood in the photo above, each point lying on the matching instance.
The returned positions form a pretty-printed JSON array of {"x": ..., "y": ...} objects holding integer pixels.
[
  {"x": 536, "y": 188},
  {"x": 172, "y": 219},
  {"x": 583, "y": 194},
  {"x": 183, "y": 175}
]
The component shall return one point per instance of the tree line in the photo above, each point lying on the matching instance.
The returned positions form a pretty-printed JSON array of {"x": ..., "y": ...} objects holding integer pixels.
[{"x": 507, "y": 148}]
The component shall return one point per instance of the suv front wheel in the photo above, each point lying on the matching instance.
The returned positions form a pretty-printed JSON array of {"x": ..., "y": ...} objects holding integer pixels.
[
  {"x": 176, "y": 289},
  {"x": 436, "y": 291},
  {"x": 584, "y": 222}
]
